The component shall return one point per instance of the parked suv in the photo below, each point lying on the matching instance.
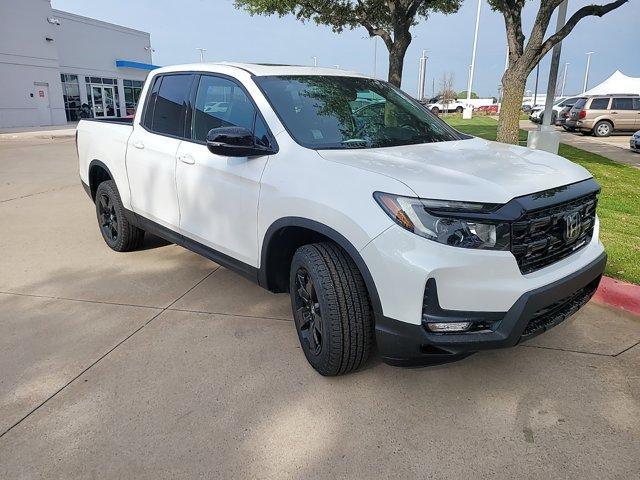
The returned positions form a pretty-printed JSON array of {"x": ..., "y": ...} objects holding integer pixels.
[
  {"x": 601, "y": 115},
  {"x": 379, "y": 219}
]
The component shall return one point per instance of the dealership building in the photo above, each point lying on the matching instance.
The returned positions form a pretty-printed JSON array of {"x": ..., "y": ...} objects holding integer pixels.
[{"x": 54, "y": 62}]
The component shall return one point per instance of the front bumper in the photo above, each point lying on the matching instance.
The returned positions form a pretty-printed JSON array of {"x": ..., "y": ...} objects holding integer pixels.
[
  {"x": 403, "y": 344},
  {"x": 634, "y": 144}
]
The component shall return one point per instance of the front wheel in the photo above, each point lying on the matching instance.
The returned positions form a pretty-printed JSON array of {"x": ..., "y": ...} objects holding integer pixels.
[
  {"x": 459, "y": 109},
  {"x": 331, "y": 309},
  {"x": 118, "y": 233},
  {"x": 435, "y": 110}
]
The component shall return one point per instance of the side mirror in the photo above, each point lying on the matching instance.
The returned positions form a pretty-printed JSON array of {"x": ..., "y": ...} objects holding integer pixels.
[{"x": 235, "y": 142}]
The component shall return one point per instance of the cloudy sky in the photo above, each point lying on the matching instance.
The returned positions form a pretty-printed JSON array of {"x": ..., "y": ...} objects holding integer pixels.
[{"x": 178, "y": 27}]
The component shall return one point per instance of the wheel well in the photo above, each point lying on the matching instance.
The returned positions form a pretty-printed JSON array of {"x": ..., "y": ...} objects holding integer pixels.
[
  {"x": 97, "y": 174},
  {"x": 282, "y": 245}
]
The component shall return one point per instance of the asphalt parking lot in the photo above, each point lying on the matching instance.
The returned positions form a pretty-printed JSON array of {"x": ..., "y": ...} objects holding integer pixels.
[{"x": 158, "y": 363}]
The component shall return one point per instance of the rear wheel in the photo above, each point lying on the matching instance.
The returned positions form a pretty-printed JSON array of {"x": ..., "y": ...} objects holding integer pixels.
[
  {"x": 602, "y": 129},
  {"x": 459, "y": 109},
  {"x": 435, "y": 110},
  {"x": 331, "y": 309},
  {"x": 118, "y": 233}
]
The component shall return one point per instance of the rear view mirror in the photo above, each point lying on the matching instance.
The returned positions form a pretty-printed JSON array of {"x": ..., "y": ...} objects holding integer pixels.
[{"x": 235, "y": 142}]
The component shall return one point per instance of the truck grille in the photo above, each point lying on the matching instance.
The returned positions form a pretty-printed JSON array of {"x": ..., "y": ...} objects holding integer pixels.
[{"x": 544, "y": 236}]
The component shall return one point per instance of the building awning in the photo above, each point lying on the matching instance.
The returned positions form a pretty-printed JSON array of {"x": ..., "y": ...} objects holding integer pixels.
[{"x": 138, "y": 65}]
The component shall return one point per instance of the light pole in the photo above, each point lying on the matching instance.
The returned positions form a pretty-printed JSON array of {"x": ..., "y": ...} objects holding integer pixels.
[
  {"x": 586, "y": 72},
  {"x": 422, "y": 74},
  {"x": 564, "y": 79},
  {"x": 202, "y": 50},
  {"x": 535, "y": 90},
  {"x": 315, "y": 61},
  {"x": 468, "y": 110}
]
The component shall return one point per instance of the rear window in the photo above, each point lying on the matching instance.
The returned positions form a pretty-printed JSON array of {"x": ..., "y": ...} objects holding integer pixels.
[
  {"x": 580, "y": 103},
  {"x": 622, "y": 104},
  {"x": 599, "y": 104},
  {"x": 170, "y": 105}
]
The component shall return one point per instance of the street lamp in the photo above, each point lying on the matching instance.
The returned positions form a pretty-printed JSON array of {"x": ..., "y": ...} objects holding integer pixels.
[
  {"x": 202, "y": 50},
  {"x": 586, "y": 72},
  {"x": 564, "y": 78},
  {"x": 473, "y": 60},
  {"x": 315, "y": 61},
  {"x": 422, "y": 73}
]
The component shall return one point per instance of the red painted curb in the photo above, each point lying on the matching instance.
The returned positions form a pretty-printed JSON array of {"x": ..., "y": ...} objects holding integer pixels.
[{"x": 619, "y": 294}]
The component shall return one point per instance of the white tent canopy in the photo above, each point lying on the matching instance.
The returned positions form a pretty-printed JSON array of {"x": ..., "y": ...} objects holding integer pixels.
[{"x": 616, "y": 83}]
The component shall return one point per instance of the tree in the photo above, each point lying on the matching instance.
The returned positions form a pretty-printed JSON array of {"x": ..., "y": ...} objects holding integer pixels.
[
  {"x": 524, "y": 57},
  {"x": 391, "y": 20},
  {"x": 463, "y": 94}
]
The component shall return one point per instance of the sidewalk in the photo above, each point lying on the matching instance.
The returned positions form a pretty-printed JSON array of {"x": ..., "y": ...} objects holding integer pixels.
[
  {"x": 615, "y": 147},
  {"x": 52, "y": 131}
]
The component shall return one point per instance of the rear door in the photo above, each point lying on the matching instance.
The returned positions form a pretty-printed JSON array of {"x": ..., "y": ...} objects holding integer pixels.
[
  {"x": 218, "y": 195},
  {"x": 623, "y": 113},
  {"x": 152, "y": 149}
]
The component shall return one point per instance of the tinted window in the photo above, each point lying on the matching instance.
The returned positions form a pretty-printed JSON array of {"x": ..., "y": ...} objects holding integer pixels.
[
  {"x": 622, "y": 104},
  {"x": 599, "y": 104},
  {"x": 170, "y": 105},
  {"x": 151, "y": 103},
  {"x": 580, "y": 103},
  {"x": 350, "y": 112},
  {"x": 220, "y": 103},
  {"x": 636, "y": 103}
]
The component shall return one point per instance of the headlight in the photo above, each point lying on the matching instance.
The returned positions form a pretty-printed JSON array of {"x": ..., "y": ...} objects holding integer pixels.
[{"x": 444, "y": 221}]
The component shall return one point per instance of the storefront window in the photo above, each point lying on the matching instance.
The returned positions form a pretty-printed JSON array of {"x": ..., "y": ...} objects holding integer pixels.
[
  {"x": 71, "y": 94},
  {"x": 132, "y": 91}
]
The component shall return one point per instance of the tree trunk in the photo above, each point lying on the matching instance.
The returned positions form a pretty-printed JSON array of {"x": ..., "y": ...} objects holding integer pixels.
[
  {"x": 396, "y": 65},
  {"x": 513, "y": 91}
]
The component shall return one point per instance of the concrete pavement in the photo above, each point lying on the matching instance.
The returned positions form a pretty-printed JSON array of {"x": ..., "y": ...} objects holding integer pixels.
[
  {"x": 159, "y": 364},
  {"x": 615, "y": 147}
]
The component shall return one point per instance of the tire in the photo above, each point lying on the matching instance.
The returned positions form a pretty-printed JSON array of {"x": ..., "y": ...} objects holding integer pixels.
[
  {"x": 331, "y": 309},
  {"x": 459, "y": 109},
  {"x": 435, "y": 110},
  {"x": 602, "y": 129},
  {"x": 117, "y": 232}
]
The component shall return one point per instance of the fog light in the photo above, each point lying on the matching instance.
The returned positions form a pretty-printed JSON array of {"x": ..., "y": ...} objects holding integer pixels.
[{"x": 448, "y": 327}]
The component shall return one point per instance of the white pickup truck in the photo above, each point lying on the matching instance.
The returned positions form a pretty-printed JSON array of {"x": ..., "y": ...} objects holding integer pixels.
[{"x": 382, "y": 222}]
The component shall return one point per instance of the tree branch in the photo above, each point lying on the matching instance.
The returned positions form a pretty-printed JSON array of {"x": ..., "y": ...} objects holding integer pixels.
[{"x": 589, "y": 10}]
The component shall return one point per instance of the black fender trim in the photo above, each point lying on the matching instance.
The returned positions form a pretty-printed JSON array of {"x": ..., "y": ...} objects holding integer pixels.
[
  {"x": 97, "y": 163},
  {"x": 329, "y": 232}
]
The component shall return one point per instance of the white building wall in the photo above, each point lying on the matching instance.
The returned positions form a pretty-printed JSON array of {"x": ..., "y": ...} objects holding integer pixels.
[
  {"x": 34, "y": 52},
  {"x": 27, "y": 58}
]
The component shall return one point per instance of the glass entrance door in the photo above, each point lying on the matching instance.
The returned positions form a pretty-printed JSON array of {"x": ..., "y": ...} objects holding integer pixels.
[{"x": 104, "y": 104}]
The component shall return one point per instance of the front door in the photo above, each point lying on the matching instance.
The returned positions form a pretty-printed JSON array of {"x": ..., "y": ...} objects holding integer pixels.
[
  {"x": 218, "y": 195},
  {"x": 104, "y": 105},
  {"x": 43, "y": 104}
]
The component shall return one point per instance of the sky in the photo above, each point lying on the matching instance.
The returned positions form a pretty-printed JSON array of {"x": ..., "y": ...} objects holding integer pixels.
[{"x": 177, "y": 28}]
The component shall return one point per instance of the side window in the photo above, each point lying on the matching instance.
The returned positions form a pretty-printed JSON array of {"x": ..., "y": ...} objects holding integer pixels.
[
  {"x": 599, "y": 104},
  {"x": 636, "y": 103},
  {"x": 221, "y": 103},
  {"x": 622, "y": 104},
  {"x": 170, "y": 105}
]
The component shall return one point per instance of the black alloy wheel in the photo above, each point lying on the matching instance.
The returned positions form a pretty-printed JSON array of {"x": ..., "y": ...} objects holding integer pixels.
[
  {"x": 308, "y": 314},
  {"x": 108, "y": 218}
]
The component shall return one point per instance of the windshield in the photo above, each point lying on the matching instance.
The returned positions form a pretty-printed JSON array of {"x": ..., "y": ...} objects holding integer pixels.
[{"x": 326, "y": 112}]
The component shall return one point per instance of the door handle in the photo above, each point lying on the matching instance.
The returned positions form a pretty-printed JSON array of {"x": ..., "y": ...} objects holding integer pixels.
[
  {"x": 138, "y": 145},
  {"x": 614, "y": 113},
  {"x": 188, "y": 159}
]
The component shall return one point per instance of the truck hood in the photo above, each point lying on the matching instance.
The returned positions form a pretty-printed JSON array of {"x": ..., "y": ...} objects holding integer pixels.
[{"x": 472, "y": 170}]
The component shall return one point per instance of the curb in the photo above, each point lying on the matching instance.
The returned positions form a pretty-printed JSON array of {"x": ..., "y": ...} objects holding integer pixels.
[{"x": 618, "y": 294}]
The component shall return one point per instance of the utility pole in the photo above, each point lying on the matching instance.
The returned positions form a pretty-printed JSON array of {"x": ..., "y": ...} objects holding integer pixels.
[
  {"x": 564, "y": 78},
  {"x": 202, "y": 50},
  {"x": 586, "y": 72}
]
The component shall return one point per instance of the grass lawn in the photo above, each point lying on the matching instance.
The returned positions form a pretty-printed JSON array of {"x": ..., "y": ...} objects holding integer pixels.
[{"x": 618, "y": 207}]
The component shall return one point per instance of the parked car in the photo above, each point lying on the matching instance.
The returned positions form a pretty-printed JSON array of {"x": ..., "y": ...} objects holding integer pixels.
[
  {"x": 380, "y": 222},
  {"x": 488, "y": 109},
  {"x": 537, "y": 113},
  {"x": 634, "y": 142},
  {"x": 447, "y": 106},
  {"x": 601, "y": 115},
  {"x": 563, "y": 116}
]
